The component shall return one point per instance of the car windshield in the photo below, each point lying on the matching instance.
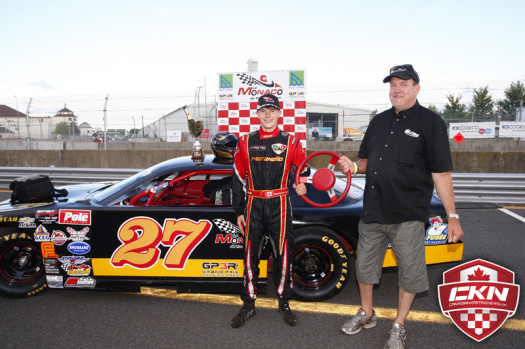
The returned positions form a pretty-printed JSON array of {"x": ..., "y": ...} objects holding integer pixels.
[{"x": 136, "y": 183}]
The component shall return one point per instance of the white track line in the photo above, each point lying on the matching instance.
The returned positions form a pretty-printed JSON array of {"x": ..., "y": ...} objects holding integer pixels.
[{"x": 510, "y": 213}]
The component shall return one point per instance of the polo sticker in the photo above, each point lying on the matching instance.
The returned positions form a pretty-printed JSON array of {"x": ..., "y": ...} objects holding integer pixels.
[
  {"x": 79, "y": 217},
  {"x": 437, "y": 232},
  {"x": 278, "y": 148},
  {"x": 478, "y": 297}
]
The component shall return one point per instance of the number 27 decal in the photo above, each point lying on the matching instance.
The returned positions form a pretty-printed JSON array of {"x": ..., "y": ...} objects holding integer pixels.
[{"x": 141, "y": 236}]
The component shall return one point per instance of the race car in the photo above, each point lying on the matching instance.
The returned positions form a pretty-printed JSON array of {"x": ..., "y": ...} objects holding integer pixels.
[{"x": 173, "y": 224}]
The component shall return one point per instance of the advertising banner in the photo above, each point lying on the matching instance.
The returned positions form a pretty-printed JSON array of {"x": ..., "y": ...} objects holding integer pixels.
[
  {"x": 507, "y": 129},
  {"x": 512, "y": 129},
  {"x": 473, "y": 129},
  {"x": 238, "y": 94}
]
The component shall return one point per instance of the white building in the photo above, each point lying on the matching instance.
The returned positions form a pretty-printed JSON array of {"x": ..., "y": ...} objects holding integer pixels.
[{"x": 15, "y": 124}]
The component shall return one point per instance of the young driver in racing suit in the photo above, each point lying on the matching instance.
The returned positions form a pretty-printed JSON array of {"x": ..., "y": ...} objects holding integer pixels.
[{"x": 262, "y": 166}]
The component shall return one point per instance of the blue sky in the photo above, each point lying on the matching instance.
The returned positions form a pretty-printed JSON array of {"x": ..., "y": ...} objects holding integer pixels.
[{"x": 61, "y": 48}]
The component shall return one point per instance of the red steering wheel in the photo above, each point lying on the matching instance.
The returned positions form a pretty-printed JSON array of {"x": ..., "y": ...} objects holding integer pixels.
[{"x": 324, "y": 179}]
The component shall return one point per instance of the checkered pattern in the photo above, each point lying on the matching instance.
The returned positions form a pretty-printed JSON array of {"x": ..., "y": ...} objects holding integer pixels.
[
  {"x": 479, "y": 320},
  {"x": 226, "y": 227},
  {"x": 246, "y": 79},
  {"x": 241, "y": 118}
]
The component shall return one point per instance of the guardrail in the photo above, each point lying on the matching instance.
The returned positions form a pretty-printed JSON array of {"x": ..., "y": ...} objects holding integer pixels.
[{"x": 500, "y": 188}]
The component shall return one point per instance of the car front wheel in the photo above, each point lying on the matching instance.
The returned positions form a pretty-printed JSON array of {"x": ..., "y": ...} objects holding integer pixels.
[
  {"x": 21, "y": 265},
  {"x": 320, "y": 266}
]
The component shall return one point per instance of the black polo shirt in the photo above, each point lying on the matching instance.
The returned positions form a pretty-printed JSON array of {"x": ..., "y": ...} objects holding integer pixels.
[{"x": 402, "y": 151}]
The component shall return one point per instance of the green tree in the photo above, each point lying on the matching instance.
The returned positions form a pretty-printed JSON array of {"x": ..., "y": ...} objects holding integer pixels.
[
  {"x": 67, "y": 129},
  {"x": 134, "y": 131},
  {"x": 482, "y": 107},
  {"x": 373, "y": 113},
  {"x": 454, "y": 109},
  {"x": 434, "y": 108},
  {"x": 513, "y": 95}
]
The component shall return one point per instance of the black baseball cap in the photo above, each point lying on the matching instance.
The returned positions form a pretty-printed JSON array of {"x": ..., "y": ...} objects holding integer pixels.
[
  {"x": 404, "y": 72},
  {"x": 268, "y": 100}
]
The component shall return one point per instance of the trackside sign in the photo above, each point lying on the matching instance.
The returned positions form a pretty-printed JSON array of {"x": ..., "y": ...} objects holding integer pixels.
[{"x": 478, "y": 296}]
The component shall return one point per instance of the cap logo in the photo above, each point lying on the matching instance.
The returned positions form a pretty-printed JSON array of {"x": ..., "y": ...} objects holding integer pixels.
[{"x": 398, "y": 70}]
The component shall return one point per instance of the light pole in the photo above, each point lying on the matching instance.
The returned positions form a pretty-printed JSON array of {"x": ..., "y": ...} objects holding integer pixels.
[{"x": 17, "y": 118}]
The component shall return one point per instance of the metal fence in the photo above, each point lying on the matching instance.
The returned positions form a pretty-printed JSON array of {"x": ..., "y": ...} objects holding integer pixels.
[
  {"x": 498, "y": 188},
  {"x": 334, "y": 109}
]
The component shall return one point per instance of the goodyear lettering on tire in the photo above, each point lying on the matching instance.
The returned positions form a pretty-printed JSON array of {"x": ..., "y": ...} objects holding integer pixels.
[{"x": 340, "y": 251}]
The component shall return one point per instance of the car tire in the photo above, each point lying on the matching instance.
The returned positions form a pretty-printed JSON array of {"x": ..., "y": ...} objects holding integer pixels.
[
  {"x": 320, "y": 265},
  {"x": 21, "y": 265}
]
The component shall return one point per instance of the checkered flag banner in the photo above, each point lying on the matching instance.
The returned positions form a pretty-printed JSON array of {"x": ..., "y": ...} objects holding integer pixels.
[
  {"x": 247, "y": 79},
  {"x": 226, "y": 227},
  {"x": 239, "y": 92}
]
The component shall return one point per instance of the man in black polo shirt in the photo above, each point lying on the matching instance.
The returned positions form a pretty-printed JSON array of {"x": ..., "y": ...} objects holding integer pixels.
[{"x": 404, "y": 153}]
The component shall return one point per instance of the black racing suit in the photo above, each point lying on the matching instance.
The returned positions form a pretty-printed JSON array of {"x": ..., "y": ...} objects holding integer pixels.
[{"x": 262, "y": 167}]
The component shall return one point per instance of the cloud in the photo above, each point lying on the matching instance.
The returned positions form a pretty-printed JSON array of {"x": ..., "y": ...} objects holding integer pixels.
[{"x": 42, "y": 84}]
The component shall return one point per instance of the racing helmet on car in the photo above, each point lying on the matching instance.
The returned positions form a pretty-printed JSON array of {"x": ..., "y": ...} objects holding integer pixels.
[{"x": 224, "y": 145}]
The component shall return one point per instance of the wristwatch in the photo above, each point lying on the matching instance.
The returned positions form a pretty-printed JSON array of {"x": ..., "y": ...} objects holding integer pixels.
[{"x": 453, "y": 215}]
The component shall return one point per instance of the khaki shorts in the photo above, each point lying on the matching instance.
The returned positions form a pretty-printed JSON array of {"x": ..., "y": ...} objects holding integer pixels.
[{"x": 408, "y": 244}]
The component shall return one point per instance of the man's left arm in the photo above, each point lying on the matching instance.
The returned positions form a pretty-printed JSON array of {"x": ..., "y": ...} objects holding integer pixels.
[{"x": 445, "y": 191}]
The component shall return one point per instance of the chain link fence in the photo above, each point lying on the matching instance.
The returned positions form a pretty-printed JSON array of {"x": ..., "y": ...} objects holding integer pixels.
[{"x": 334, "y": 113}]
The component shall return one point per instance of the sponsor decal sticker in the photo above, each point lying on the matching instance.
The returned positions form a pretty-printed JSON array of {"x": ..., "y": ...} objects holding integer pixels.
[
  {"x": 50, "y": 265},
  {"x": 76, "y": 217},
  {"x": 47, "y": 216},
  {"x": 41, "y": 234},
  {"x": 220, "y": 269},
  {"x": 48, "y": 249},
  {"x": 297, "y": 78},
  {"x": 58, "y": 237},
  {"x": 55, "y": 281},
  {"x": 278, "y": 148},
  {"x": 258, "y": 148},
  {"x": 77, "y": 270},
  {"x": 225, "y": 81},
  {"x": 80, "y": 235},
  {"x": 87, "y": 282},
  {"x": 73, "y": 259},
  {"x": 78, "y": 247},
  {"x": 230, "y": 234},
  {"x": 437, "y": 232},
  {"x": 478, "y": 297},
  {"x": 26, "y": 222}
]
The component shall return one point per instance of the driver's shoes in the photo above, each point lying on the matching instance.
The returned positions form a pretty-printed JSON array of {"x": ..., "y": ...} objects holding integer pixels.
[
  {"x": 246, "y": 312},
  {"x": 286, "y": 313}
]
